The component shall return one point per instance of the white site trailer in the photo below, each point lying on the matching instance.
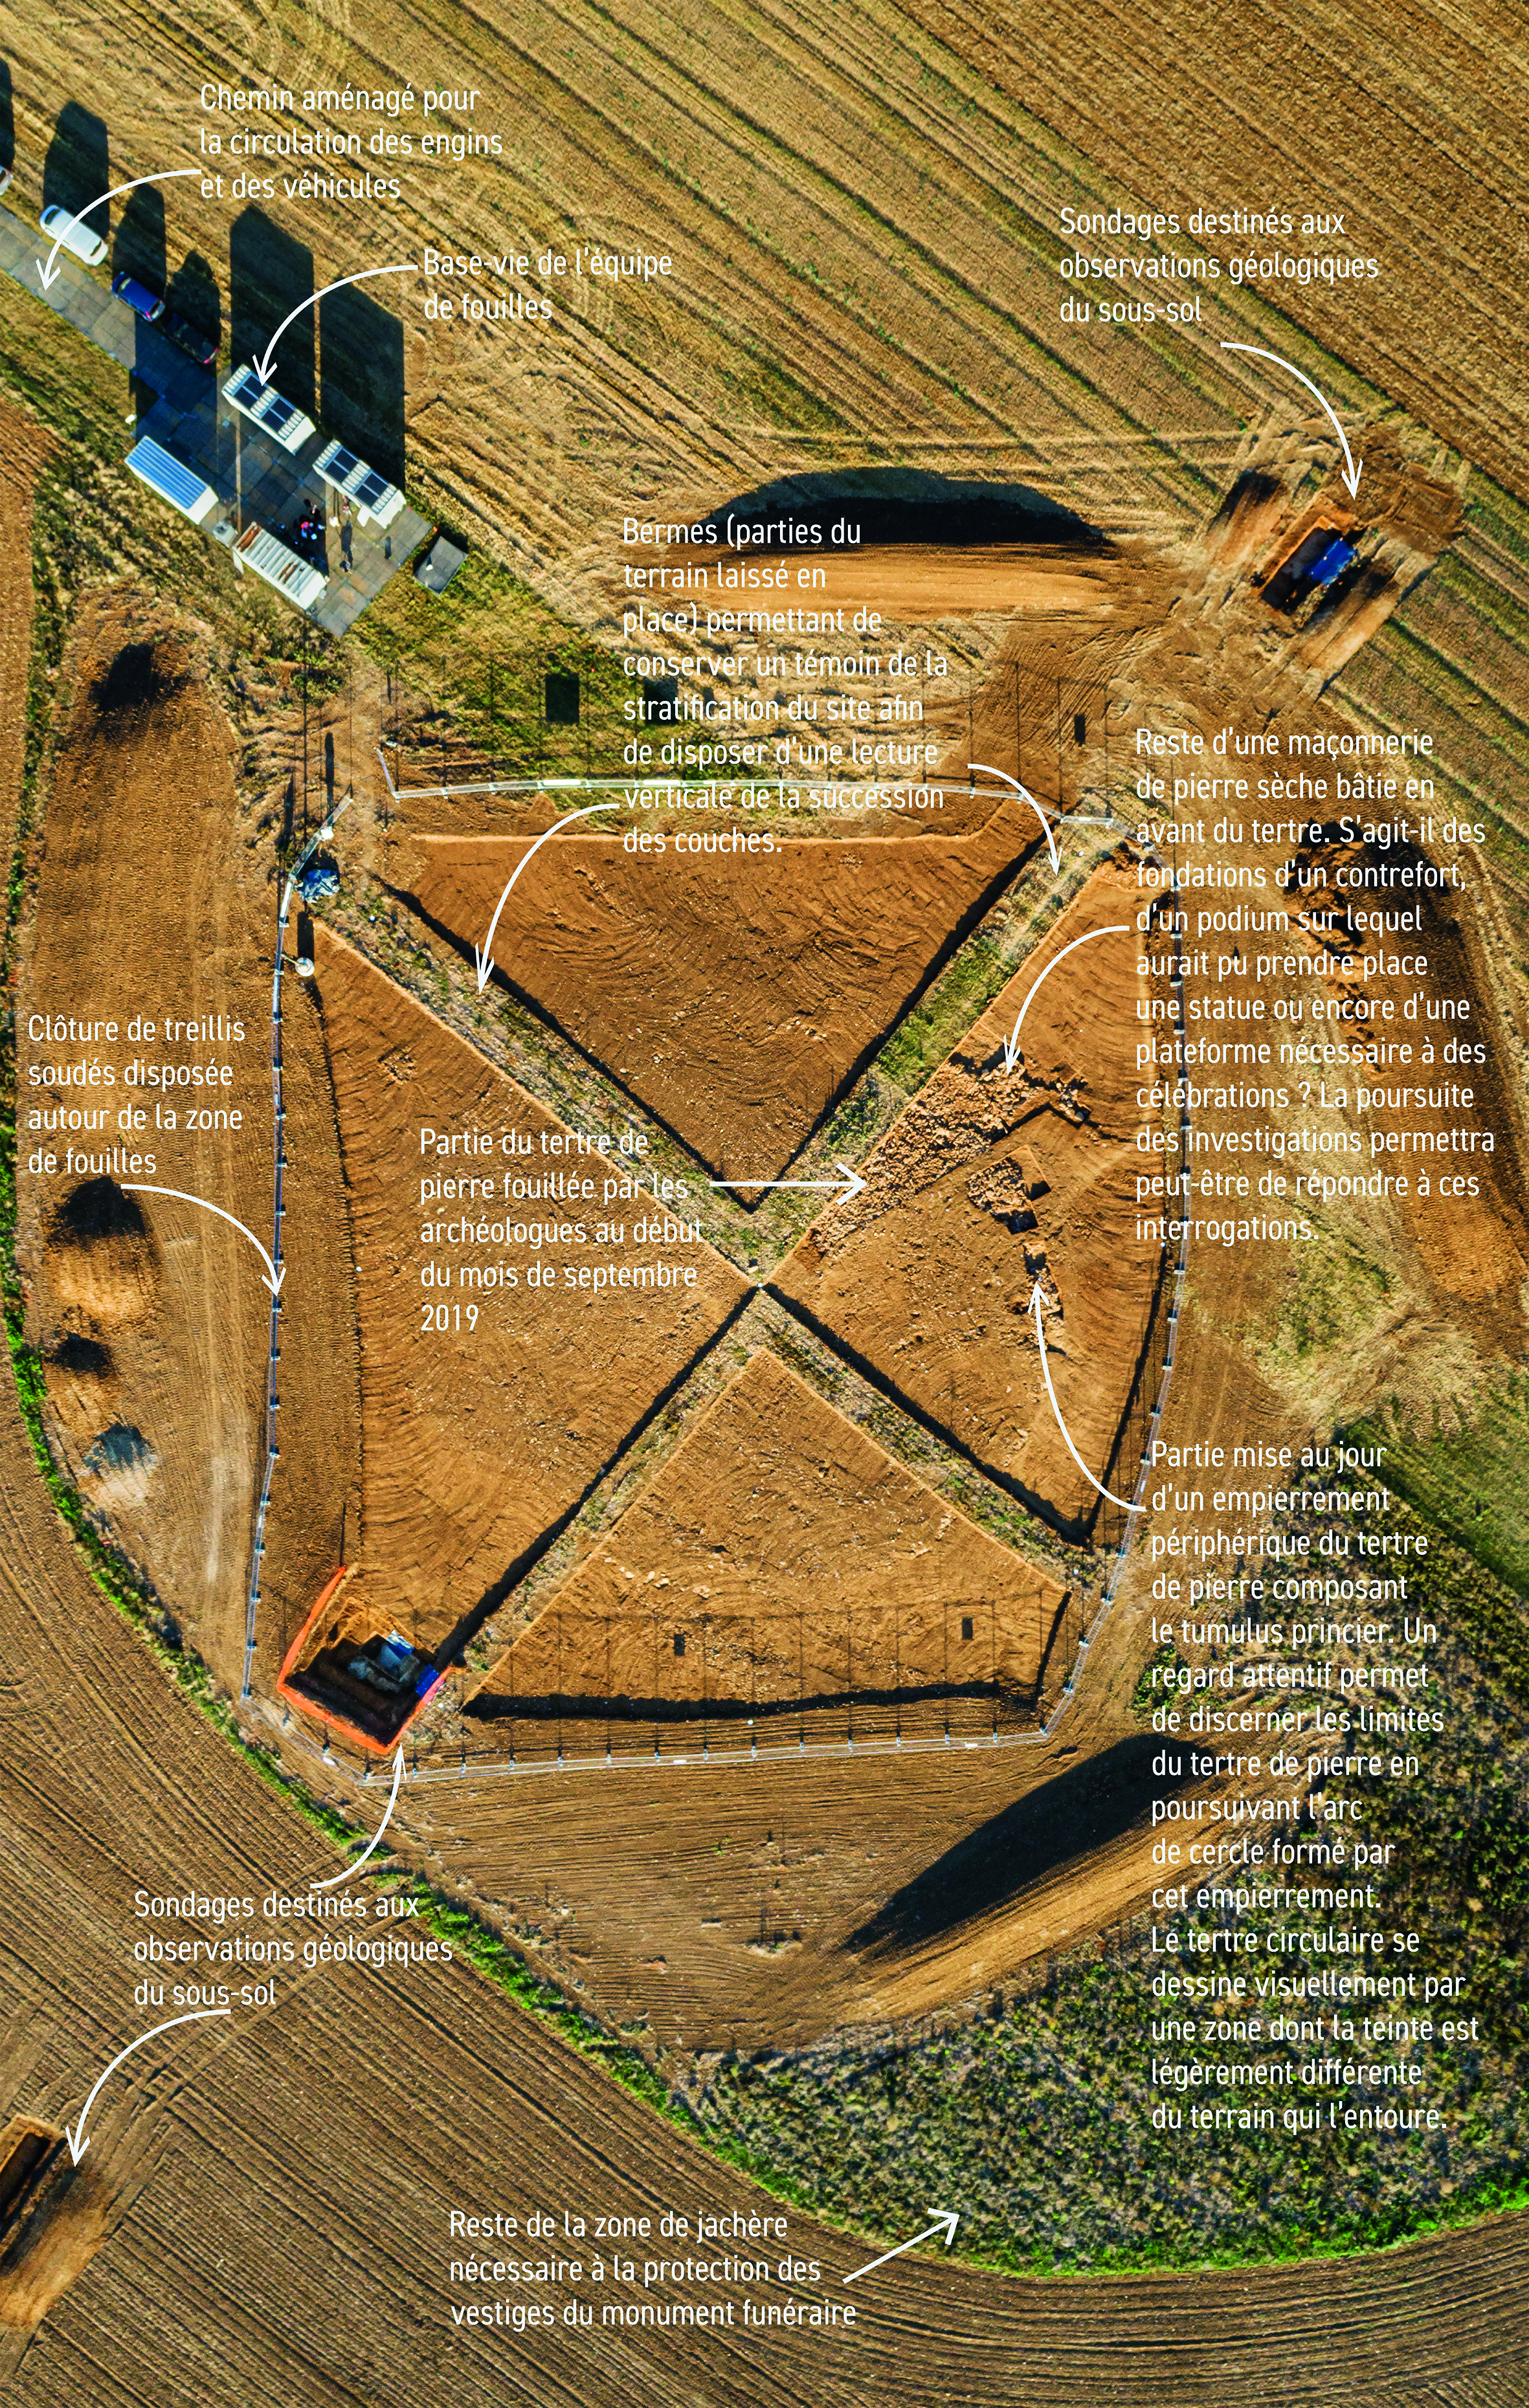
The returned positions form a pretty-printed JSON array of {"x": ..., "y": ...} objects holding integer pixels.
[
  {"x": 269, "y": 557},
  {"x": 375, "y": 500},
  {"x": 172, "y": 480},
  {"x": 270, "y": 410}
]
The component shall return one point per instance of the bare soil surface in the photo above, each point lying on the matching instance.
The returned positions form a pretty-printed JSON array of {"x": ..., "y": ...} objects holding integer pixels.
[
  {"x": 780, "y": 1559},
  {"x": 733, "y": 993},
  {"x": 753, "y": 1905},
  {"x": 991, "y": 1181},
  {"x": 479, "y": 1437},
  {"x": 150, "y": 1312},
  {"x": 203, "y": 2239},
  {"x": 143, "y": 913}
]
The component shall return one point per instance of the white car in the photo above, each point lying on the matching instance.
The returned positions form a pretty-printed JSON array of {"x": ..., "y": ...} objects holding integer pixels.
[
  {"x": 72, "y": 233},
  {"x": 280, "y": 419}
]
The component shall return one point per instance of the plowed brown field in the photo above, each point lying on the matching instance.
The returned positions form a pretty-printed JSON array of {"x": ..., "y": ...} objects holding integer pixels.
[
  {"x": 779, "y": 1557},
  {"x": 476, "y": 1439},
  {"x": 867, "y": 251},
  {"x": 1418, "y": 129},
  {"x": 990, "y": 1181},
  {"x": 137, "y": 914},
  {"x": 733, "y": 996},
  {"x": 236, "y": 2239}
]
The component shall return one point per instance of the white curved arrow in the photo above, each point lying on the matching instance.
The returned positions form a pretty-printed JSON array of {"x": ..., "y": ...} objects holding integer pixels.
[
  {"x": 1355, "y": 469},
  {"x": 47, "y": 274},
  {"x": 989, "y": 772},
  {"x": 1011, "y": 1044},
  {"x": 75, "y": 2133},
  {"x": 945, "y": 2220},
  {"x": 273, "y": 1279},
  {"x": 346, "y": 1871},
  {"x": 262, "y": 365},
  {"x": 485, "y": 951},
  {"x": 1040, "y": 1340}
]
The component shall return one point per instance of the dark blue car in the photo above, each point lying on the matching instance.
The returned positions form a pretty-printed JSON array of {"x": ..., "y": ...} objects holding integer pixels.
[
  {"x": 137, "y": 296},
  {"x": 202, "y": 347}
]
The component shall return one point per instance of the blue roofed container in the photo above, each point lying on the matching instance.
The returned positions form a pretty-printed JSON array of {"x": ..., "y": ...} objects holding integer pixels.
[{"x": 174, "y": 482}]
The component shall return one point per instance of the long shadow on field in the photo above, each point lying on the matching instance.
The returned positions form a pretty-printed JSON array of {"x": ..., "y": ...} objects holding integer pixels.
[
  {"x": 77, "y": 168},
  {"x": 193, "y": 291},
  {"x": 362, "y": 368},
  {"x": 269, "y": 275},
  {"x": 497, "y": 1705},
  {"x": 138, "y": 250},
  {"x": 1069, "y": 1817},
  {"x": 7, "y": 119},
  {"x": 859, "y": 507}
]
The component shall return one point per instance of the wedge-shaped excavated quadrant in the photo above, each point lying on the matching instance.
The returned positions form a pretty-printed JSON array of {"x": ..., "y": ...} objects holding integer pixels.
[
  {"x": 780, "y": 1568},
  {"x": 734, "y": 990},
  {"x": 488, "y": 1404},
  {"x": 992, "y": 1179}
]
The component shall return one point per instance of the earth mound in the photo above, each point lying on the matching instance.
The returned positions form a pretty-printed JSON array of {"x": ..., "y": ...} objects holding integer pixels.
[
  {"x": 121, "y": 1463},
  {"x": 81, "y": 1379},
  {"x": 136, "y": 677},
  {"x": 102, "y": 1257}
]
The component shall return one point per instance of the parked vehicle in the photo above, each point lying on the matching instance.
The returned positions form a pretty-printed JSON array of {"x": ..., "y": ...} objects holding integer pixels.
[
  {"x": 202, "y": 347},
  {"x": 142, "y": 303},
  {"x": 6, "y": 174},
  {"x": 72, "y": 234},
  {"x": 282, "y": 420},
  {"x": 307, "y": 536}
]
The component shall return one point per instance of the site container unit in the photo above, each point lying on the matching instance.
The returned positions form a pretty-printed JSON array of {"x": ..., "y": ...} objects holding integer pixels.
[
  {"x": 172, "y": 480},
  {"x": 270, "y": 558},
  {"x": 270, "y": 410},
  {"x": 375, "y": 499}
]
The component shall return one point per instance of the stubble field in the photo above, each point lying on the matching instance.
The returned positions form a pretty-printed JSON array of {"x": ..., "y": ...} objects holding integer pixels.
[{"x": 913, "y": 295}]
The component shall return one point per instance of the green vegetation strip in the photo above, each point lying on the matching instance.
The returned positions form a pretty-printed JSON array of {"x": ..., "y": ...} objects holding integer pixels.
[
  {"x": 1468, "y": 1480},
  {"x": 1036, "y": 2118}
]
